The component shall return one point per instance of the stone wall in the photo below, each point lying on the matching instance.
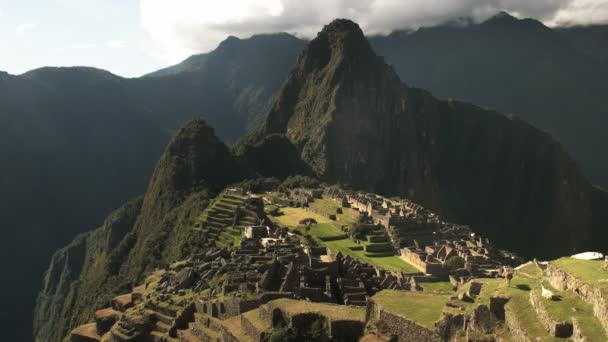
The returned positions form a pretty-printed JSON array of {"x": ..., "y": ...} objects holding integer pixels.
[
  {"x": 563, "y": 280},
  {"x": 577, "y": 334},
  {"x": 405, "y": 329},
  {"x": 342, "y": 330},
  {"x": 251, "y": 330},
  {"x": 557, "y": 329},
  {"x": 346, "y": 330},
  {"x": 514, "y": 326}
]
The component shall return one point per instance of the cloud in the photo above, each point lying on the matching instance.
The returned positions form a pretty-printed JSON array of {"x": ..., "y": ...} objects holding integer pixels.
[
  {"x": 2, "y": 13},
  {"x": 582, "y": 12},
  {"x": 23, "y": 29},
  {"x": 114, "y": 44},
  {"x": 184, "y": 27},
  {"x": 84, "y": 46}
]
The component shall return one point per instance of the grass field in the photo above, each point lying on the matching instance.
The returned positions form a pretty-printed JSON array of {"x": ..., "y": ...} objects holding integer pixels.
[
  {"x": 322, "y": 230},
  {"x": 391, "y": 263},
  {"x": 292, "y": 216},
  {"x": 333, "y": 311},
  {"x": 328, "y": 207},
  {"x": 589, "y": 271},
  {"x": 424, "y": 308},
  {"x": 327, "y": 228}
]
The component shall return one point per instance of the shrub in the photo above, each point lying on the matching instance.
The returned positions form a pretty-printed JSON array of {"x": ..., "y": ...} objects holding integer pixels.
[
  {"x": 260, "y": 184},
  {"x": 307, "y": 221},
  {"x": 453, "y": 263},
  {"x": 298, "y": 181},
  {"x": 360, "y": 230},
  {"x": 281, "y": 335}
]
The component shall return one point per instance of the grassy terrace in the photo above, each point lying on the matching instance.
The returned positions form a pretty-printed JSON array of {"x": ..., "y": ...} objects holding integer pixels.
[
  {"x": 424, "y": 308},
  {"x": 333, "y": 311},
  {"x": 567, "y": 307},
  {"x": 591, "y": 272},
  {"x": 292, "y": 216},
  {"x": 327, "y": 207},
  {"x": 328, "y": 228}
]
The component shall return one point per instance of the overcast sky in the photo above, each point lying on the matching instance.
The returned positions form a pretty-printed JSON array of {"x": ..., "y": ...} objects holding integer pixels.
[{"x": 133, "y": 37}]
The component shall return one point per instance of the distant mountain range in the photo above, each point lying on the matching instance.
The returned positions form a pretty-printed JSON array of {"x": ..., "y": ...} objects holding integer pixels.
[
  {"x": 77, "y": 142},
  {"x": 344, "y": 116}
]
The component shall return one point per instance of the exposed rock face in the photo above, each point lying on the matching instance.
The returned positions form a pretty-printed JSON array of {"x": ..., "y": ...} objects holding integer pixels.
[
  {"x": 139, "y": 237},
  {"x": 354, "y": 122}
]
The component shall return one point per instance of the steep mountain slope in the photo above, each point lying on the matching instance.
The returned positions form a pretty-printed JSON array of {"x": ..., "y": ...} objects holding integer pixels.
[
  {"x": 77, "y": 142},
  {"x": 354, "y": 122},
  {"x": 70, "y": 152},
  {"x": 144, "y": 234},
  {"x": 550, "y": 77},
  {"x": 592, "y": 40}
]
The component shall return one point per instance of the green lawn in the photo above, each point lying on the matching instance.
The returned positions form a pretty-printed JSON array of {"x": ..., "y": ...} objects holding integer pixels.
[
  {"x": 424, "y": 308},
  {"x": 440, "y": 287},
  {"x": 333, "y": 311},
  {"x": 327, "y": 228},
  {"x": 292, "y": 216},
  {"x": 591, "y": 272},
  {"x": 322, "y": 230},
  {"x": 328, "y": 207},
  {"x": 390, "y": 263}
]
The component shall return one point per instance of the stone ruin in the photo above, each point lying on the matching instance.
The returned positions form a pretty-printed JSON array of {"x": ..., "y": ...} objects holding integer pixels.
[
  {"x": 423, "y": 239},
  {"x": 199, "y": 298}
]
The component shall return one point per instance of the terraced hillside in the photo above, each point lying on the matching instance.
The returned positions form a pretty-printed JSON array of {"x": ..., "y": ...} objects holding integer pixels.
[
  {"x": 517, "y": 311},
  {"x": 224, "y": 220}
]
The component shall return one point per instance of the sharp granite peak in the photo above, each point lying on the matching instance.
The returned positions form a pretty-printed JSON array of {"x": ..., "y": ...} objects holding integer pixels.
[{"x": 353, "y": 121}]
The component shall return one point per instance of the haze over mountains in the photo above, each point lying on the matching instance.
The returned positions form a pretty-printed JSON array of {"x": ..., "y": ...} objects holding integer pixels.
[{"x": 78, "y": 141}]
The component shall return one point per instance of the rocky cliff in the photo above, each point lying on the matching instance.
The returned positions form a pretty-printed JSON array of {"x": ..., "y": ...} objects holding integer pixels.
[
  {"x": 354, "y": 122},
  {"x": 144, "y": 234}
]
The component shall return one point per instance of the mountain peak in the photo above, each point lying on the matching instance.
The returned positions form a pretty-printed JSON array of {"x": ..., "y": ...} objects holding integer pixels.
[
  {"x": 340, "y": 40},
  {"x": 502, "y": 16},
  {"x": 343, "y": 32}
]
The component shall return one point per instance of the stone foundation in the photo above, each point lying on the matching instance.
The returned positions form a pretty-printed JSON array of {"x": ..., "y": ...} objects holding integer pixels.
[{"x": 514, "y": 326}]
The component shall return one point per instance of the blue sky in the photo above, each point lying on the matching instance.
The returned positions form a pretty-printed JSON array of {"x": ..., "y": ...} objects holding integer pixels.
[
  {"x": 101, "y": 33},
  {"x": 134, "y": 37}
]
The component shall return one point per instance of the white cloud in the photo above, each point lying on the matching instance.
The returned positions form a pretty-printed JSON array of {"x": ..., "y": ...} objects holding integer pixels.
[
  {"x": 114, "y": 44},
  {"x": 183, "y": 27},
  {"x": 23, "y": 29},
  {"x": 84, "y": 46},
  {"x": 2, "y": 13},
  {"x": 582, "y": 12}
]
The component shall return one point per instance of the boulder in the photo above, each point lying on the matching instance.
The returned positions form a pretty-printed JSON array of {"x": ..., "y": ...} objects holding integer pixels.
[{"x": 186, "y": 278}]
